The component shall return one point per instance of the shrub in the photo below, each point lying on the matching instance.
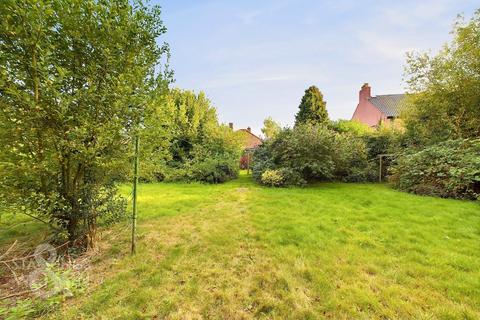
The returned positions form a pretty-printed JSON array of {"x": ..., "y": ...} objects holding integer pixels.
[
  {"x": 214, "y": 170},
  {"x": 351, "y": 126},
  {"x": 210, "y": 170},
  {"x": 246, "y": 160},
  {"x": 351, "y": 159},
  {"x": 261, "y": 161},
  {"x": 292, "y": 177},
  {"x": 449, "y": 169},
  {"x": 307, "y": 150},
  {"x": 310, "y": 153},
  {"x": 273, "y": 178}
]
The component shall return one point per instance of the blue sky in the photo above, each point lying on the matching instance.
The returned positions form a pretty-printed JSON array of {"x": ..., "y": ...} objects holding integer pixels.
[{"x": 254, "y": 59}]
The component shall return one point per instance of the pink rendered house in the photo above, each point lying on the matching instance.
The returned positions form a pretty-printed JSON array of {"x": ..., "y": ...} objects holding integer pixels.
[{"x": 373, "y": 110}]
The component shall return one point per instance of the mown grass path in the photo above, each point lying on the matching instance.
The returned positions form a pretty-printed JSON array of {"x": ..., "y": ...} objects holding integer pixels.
[{"x": 240, "y": 251}]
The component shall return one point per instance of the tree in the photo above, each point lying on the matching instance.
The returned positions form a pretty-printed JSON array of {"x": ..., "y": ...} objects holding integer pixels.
[
  {"x": 76, "y": 78},
  {"x": 312, "y": 109},
  {"x": 183, "y": 140},
  {"x": 270, "y": 128},
  {"x": 445, "y": 88},
  {"x": 194, "y": 121}
]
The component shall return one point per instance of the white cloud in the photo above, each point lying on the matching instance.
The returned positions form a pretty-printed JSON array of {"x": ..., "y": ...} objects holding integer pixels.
[{"x": 249, "y": 17}]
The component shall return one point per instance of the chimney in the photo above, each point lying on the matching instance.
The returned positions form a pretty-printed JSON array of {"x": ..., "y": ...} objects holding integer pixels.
[
  {"x": 230, "y": 124},
  {"x": 249, "y": 129},
  {"x": 365, "y": 92}
]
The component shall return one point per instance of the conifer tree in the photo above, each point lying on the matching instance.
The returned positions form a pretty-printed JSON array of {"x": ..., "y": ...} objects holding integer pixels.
[{"x": 312, "y": 109}]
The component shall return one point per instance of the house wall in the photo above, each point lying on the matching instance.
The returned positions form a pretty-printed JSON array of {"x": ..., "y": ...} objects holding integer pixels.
[
  {"x": 366, "y": 112},
  {"x": 251, "y": 141}
]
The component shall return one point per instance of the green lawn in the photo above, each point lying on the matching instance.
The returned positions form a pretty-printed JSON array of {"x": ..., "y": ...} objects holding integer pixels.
[{"x": 340, "y": 251}]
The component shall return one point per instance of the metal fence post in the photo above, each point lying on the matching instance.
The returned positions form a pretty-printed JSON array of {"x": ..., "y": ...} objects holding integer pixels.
[{"x": 134, "y": 206}]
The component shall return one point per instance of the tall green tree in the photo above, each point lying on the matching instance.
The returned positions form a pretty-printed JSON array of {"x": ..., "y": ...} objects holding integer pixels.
[
  {"x": 194, "y": 120},
  {"x": 76, "y": 78},
  {"x": 312, "y": 109},
  {"x": 184, "y": 132},
  {"x": 445, "y": 100},
  {"x": 270, "y": 128}
]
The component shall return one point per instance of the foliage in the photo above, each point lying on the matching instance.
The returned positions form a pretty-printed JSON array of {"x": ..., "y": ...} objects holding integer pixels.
[
  {"x": 210, "y": 170},
  {"x": 352, "y": 159},
  {"x": 307, "y": 149},
  {"x": 445, "y": 88},
  {"x": 183, "y": 140},
  {"x": 194, "y": 124},
  {"x": 61, "y": 284},
  {"x": 245, "y": 160},
  {"x": 354, "y": 127},
  {"x": 75, "y": 77},
  {"x": 386, "y": 139},
  {"x": 155, "y": 141},
  {"x": 273, "y": 178},
  {"x": 449, "y": 169},
  {"x": 262, "y": 160},
  {"x": 270, "y": 128},
  {"x": 310, "y": 153},
  {"x": 312, "y": 109}
]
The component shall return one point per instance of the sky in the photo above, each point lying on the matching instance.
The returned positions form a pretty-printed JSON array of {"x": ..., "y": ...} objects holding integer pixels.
[{"x": 254, "y": 59}]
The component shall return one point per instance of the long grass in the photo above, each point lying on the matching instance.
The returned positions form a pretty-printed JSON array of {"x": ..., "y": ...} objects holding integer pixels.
[{"x": 240, "y": 251}]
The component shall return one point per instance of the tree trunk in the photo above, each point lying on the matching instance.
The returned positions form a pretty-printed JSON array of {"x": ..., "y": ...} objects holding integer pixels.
[{"x": 72, "y": 229}]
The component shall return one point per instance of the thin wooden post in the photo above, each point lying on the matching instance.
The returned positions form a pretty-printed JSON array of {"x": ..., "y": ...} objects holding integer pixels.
[{"x": 134, "y": 206}]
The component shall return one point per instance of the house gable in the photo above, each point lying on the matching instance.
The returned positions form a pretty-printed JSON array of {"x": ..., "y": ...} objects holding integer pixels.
[
  {"x": 251, "y": 141},
  {"x": 373, "y": 110}
]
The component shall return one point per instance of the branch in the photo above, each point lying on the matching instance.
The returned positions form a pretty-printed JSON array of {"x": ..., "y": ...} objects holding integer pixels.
[
  {"x": 8, "y": 250},
  {"x": 21, "y": 293},
  {"x": 33, "y": 255},
  {"x": 42, "y": 221}
]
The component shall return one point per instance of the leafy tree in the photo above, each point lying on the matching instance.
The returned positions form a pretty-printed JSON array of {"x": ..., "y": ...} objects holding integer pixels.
[
  {"x": 183, "y": 140},
  {"x": 193, "y": 121},
  {"x": 312, "y": 109},
  {"x": 446, "y": 89},
  {"x": 76, "y": 78},
  {"x": 270, "y": 128},
  {"x": 156, "y": 139}
]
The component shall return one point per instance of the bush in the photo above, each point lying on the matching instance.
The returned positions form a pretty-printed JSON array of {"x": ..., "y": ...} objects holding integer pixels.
[
  {"x": 210, "y": 170},
  {"x": 310, "y": 153},
  {"x": 292, "y": 177},
  {"x": 214, "y": 170},
  {"x": 307, "y": 150},
  {"x": 246, "y": 160},
  {"x": 261, "y": 160},
  {"x": 351, "y": 160},
  {"x": 351, "y": 126},
  {"x": 273, "y": 178},
  {"x": 449, "y": 169}
]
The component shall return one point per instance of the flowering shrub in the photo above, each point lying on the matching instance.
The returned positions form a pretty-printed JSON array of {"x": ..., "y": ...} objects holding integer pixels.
[{"x": 273, "y": 178}]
